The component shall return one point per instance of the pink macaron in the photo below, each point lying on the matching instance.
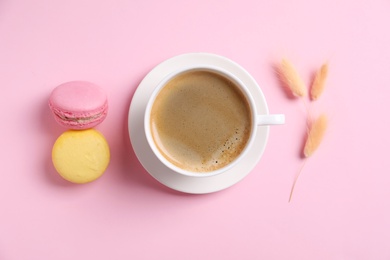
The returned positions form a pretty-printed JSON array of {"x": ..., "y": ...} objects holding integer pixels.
[{"x": 78, "y": 104}]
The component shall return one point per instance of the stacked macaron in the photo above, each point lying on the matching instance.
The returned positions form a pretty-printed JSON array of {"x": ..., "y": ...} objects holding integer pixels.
[{"x": 81, "y": 154}]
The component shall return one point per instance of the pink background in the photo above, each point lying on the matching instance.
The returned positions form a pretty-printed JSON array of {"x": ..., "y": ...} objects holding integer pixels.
[{"x": 341, "y": 205}]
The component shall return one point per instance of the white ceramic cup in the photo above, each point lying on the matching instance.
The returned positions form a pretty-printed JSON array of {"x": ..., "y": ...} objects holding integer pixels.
[{"x": 257, "y": 119}]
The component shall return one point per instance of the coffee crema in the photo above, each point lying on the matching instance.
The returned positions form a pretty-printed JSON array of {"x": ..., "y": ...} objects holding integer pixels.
[{"x": 200, "y": 121}]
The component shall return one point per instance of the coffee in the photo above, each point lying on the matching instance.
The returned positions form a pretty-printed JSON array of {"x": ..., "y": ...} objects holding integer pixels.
[{"x": 200, "y": 121}]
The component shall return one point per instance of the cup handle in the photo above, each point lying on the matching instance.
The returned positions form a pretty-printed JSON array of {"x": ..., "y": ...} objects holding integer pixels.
[{"x": 275, "y": 119}]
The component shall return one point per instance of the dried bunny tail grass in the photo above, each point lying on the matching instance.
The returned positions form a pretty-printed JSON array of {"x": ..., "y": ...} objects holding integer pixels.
[
  {"x": 291, "y": 79},
  {"x": 313, "y": 141},
  {"x": 315, "y": 135},
  {"x": 319, "y": 82}
]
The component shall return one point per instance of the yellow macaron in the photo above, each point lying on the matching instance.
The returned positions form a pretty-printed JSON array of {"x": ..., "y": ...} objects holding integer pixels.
[{"x": 81, "y": 156}]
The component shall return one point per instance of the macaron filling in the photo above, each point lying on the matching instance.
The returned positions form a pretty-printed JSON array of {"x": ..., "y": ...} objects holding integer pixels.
[{"x": 79, "y": 119}]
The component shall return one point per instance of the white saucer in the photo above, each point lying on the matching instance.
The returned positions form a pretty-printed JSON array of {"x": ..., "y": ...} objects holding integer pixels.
[{"x": 195, "y": 185}]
